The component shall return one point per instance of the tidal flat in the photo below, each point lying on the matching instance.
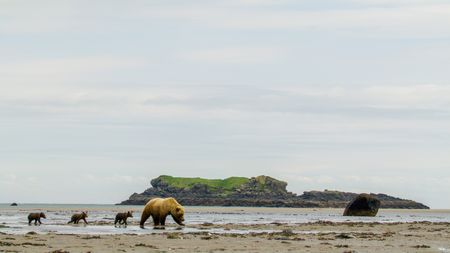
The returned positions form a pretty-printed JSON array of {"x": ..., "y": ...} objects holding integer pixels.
[
  {"x": 309, "y": 237},
  {"x": 226, "y": 229}
]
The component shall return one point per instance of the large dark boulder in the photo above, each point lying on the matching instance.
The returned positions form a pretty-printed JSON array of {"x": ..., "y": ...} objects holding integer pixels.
[
  {"x": 363, "y": 205},
  {"x": 14, "y": 204}
]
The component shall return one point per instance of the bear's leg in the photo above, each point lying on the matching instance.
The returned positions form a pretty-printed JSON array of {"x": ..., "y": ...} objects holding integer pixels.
[
  {"x": 29, "y": 221},
  {"x": 39, "y": 220},
  {"x": 155, "y": 220},
  {"x": 162, "y": 220},
  {"x": 144, "y": 217},
  {"x": 35, "y": 222}
]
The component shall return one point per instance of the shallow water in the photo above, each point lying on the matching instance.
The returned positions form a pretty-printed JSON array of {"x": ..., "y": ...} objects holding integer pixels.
[{"x": 14, "y": 219}]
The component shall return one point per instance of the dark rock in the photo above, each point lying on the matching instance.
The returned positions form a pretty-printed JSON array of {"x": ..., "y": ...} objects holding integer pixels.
[
  {"x": 363, "y": 205},
  {"x": 14, "y": 204}
]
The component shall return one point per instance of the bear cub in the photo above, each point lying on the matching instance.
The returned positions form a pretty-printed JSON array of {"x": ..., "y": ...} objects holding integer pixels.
[
  {"x": 36, "y": 217},
  {"x": 121, "y": 218},
  {"x": 77, "y": 217}
]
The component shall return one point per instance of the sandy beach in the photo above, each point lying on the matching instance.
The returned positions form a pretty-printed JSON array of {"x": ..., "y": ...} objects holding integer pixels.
[{"x": 309, "y": 237}]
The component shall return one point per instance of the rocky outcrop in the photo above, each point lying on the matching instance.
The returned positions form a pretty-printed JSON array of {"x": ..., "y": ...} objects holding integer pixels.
[
  {"x": 337, "y": 199},
  {"x": 256, "y": 191},
  {"x": 363, "y": 205}
]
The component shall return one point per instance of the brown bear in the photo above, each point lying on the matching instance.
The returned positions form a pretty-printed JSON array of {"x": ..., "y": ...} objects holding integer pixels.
[
  {"x": 122, "y": 218},
  {"x": 77, "y": 217},
  {"x": 159, "y": 208},
  {"x": 36, "y": 217}
]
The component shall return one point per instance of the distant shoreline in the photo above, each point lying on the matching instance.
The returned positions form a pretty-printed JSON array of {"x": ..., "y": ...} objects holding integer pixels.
[{"x": 112, "y": 205}]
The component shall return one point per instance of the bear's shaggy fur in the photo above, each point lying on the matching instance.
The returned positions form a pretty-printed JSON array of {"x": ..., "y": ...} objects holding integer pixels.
[
  {"x": 36, "y": 217},
  {"x": 159, "y": 208}
]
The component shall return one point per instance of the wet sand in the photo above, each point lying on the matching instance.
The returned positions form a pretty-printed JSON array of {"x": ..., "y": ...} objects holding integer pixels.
[{"x": 307, "y": 237}]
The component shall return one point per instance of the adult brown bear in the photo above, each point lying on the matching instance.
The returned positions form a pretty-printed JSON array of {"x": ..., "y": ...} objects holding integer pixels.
[{"x": 159, "y": 208}]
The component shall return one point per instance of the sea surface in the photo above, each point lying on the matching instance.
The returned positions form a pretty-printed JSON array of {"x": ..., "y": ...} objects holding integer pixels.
[{"x": 13, "y": 220}]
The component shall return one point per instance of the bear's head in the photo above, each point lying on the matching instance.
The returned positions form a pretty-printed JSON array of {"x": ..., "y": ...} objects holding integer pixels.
[
  {"x": 42, "y": 215},
  {"x": 177, "y": 214},
  {"x": 84, "y": 215},
  {"x": 130, "y": 214}
]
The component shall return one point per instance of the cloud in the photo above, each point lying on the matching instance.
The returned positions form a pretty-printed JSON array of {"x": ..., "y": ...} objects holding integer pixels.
[
  {"x": 413, "y": 95},
  {"x": 324, "y": 4},
  {"x": 36, "y": 78},
  {"x": 23, "y": 17},
  {"x": 116, "y": 179},
  {"x": 67, "y": 65},
  {"x": 234, "y": 55},
  {"x": 395, "y": 105},
  {"x": 396, "y": 2},
  {"x": 8, "y": 178},
  {"x": 418, "y": 21},
  {"x": 373, "y": 18}
]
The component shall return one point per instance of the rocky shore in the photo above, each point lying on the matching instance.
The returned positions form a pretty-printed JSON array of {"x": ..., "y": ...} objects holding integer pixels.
[{"x": 256, "y": 191}]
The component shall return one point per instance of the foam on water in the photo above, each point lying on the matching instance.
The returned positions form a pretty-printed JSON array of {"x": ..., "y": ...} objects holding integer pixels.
[{"x": 14, "y": 219}]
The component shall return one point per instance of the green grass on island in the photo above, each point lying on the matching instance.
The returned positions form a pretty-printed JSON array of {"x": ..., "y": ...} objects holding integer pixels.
[{"x": 227, "y": 184}]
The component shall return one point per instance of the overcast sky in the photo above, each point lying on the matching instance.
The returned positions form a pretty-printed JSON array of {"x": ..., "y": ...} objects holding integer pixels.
[{"x": 99, "y": 97}]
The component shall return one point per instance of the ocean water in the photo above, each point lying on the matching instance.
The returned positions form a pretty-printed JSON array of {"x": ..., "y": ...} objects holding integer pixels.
[{"x": 13, "y": 220}]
